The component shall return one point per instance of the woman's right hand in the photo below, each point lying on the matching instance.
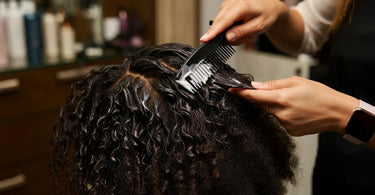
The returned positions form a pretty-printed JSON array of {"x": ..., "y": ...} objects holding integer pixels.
[{"x": 256, "y": 16}]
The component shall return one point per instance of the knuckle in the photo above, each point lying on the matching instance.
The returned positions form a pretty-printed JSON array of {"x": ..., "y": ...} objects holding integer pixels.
[
  {"x": 247, "y": 96},
  {"x": 296, "y": 78},
  {"x": 258, "y": 27},
  {"x": 283, "y": 99},
  {"x": 283, "y": 119},
  {"x": 289, "y": 125},
  {"x": 240, "y": 33},
  {"x": 241, "y": 3},
  {"x": 289, "y": 128},
  {"x": 271, "y": 83}
]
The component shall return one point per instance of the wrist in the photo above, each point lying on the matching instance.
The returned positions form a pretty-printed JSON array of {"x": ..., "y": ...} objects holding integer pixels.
[
  {"x": 283, "y": 8},
  {"x": 287, "y": 31},
  {"x": 344, "y": 111},
  {"x": 361, "y": 126},
  {"x": 282, "y": 11}
]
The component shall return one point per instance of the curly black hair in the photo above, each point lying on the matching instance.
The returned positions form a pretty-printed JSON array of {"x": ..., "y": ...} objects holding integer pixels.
[{"x": 131, "y": 129}]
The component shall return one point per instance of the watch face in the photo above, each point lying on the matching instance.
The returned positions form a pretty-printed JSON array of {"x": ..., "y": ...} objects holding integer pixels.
[{"x": 361, "y": 125}]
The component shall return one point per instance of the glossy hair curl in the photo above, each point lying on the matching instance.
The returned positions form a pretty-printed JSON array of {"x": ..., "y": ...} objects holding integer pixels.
[{"x": 131, "y": 129}]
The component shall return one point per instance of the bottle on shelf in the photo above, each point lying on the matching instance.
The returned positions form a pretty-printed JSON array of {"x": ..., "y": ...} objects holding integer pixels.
[
  {"x": 111, "y": 27},
  {"x": 95, "y": 15},
  {"x": 67, "y": 40},
  {"x": 16, "y": 35},
  {"x": 60, "y": 17},
  {"x": 50, "y": 37},
  {"x": 33, "y": 33},
  {"x": 25, "y": 6},
  {"x": 4, "y": 61}
]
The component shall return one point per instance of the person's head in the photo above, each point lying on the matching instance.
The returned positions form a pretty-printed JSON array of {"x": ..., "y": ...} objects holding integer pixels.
[{"x": 131, "y": 129}]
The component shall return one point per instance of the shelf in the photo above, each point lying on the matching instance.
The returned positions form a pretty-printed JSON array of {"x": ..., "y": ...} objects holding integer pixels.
[{"x": 108, "y": 55}]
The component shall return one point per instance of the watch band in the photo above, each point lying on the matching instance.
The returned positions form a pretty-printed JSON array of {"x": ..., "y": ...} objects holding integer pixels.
[
  {"x": 368, "y": 107},
  {"x": 361, "y": 125}
]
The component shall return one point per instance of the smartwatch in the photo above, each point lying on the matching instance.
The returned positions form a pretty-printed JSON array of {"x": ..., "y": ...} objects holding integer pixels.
[{"x": 361, "y": 125}]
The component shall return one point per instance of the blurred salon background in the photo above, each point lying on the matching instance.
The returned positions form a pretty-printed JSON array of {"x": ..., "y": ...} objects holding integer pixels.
[{"x": 46, "y": 45}]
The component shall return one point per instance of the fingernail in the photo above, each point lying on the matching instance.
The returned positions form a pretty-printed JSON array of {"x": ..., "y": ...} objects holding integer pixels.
[
  {"x": 204, "y": 37},
  {"x": 231, "y": 36},
  {"x": 256, "y": 84}
]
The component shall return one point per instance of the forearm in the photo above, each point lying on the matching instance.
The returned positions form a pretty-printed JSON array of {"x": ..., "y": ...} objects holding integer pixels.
[{"x": 287, "y": 32}]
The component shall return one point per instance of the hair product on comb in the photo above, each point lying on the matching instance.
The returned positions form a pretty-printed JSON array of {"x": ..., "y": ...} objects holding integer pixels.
[{"x": 204, "y": 62}]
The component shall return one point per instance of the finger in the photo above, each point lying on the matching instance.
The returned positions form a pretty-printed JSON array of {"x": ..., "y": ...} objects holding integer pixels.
[
  {"x": 247, "y": 40},
  {"x": 275, "y": 84},
  {"x": 221, "y": 22},
  {"x": 240, "y": 33},
  {"x": 257, "y": 96},
  {"x": 230, "y": 13}
]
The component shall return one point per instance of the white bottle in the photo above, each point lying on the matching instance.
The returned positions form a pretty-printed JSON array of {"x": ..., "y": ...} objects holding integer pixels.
[
  {"x": 50, "y": 36},
  {"x": 26, "y": 6},
  {"x": 95, "y": 14},
  {"x": 67, "y": 40},
  {"x": 4, "y": 62},
  {"x": 16, "y": 35},
  {"x": 111, "y": 28},
  {"x": 60, "y": 17}
]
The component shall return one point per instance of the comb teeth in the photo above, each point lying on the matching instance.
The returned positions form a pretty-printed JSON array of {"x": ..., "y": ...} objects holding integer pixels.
[
  {"x": 203, "y": 63},
  {"x": 224, "y": 51},
  {"x": 221, "y": 54},
  {"x": 200, "y": 74}
]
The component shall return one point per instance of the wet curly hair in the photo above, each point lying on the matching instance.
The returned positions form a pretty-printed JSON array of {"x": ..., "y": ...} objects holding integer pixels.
[{"x": 131, "y": 129}]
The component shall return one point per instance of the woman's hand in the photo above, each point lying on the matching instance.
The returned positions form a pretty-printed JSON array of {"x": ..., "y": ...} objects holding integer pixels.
[
  {"x": 256, "y": 17},
  {"x": 301, "y": 105}
]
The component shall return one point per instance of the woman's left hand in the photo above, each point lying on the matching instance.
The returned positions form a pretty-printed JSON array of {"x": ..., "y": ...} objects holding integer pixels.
[{"x": 301, "y": 105}]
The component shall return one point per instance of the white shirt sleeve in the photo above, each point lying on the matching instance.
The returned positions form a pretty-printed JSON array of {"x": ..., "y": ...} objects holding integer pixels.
[{"x": 317, "y": 16}]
